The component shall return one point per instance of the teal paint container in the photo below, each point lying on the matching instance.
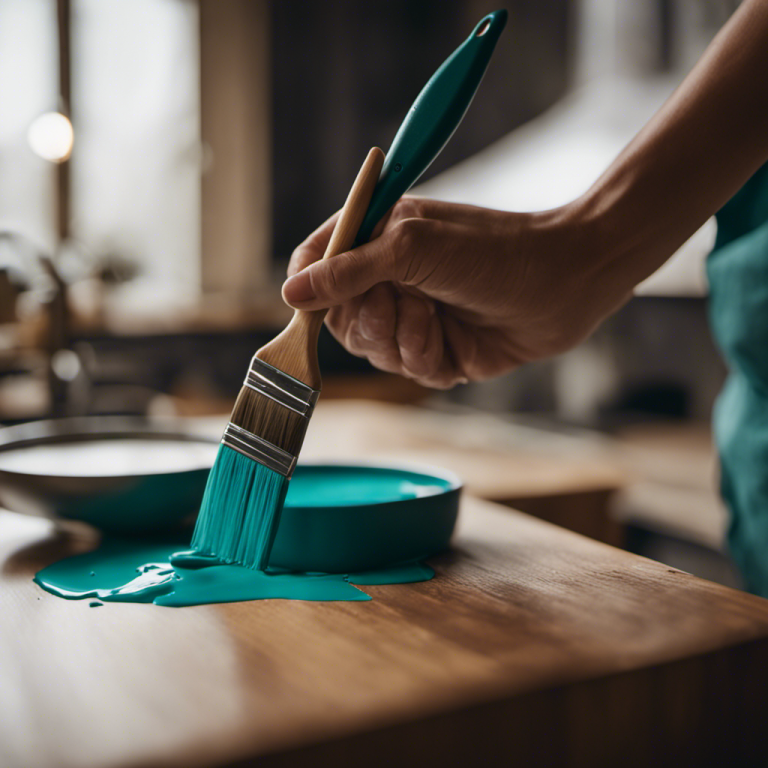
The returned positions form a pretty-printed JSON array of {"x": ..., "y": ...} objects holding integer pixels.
[{"x": 341, "y": 518}]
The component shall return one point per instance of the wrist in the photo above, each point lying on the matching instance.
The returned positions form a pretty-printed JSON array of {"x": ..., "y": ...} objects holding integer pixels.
[
  {"x": 595, "y": 258},
  {"x": 587, "y": 237},
  {"x": 618, "y": 237}
]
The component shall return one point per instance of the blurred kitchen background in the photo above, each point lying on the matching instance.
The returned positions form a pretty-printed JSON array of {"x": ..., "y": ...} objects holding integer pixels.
[{"x": 159, "y": 160}]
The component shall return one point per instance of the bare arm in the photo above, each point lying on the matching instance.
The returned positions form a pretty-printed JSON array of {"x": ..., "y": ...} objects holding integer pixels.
[{"x": 694, "y": 154}]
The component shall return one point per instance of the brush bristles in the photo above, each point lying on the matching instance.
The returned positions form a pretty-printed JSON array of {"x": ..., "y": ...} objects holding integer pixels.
[
  {"x": 241, "y": 510},
  {"x": 243, "y": 499},
  {"x": 272, "y": 422}
]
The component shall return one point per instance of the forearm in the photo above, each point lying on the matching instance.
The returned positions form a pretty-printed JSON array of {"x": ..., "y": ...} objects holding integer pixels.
[{"x": 697, "y": 151}]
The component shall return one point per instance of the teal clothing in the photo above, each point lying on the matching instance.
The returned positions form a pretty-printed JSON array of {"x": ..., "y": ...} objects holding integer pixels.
[{"x": 738, "y": 283}]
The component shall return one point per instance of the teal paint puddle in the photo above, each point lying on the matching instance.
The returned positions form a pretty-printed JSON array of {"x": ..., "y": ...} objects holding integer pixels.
[{"x": 165, "y": 573}]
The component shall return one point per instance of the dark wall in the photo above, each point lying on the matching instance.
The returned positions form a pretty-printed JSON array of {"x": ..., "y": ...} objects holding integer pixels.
[{"x": 345, "y": 73}]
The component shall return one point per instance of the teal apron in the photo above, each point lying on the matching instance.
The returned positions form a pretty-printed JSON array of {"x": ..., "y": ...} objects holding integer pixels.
[{"x": 738, "y": 283}]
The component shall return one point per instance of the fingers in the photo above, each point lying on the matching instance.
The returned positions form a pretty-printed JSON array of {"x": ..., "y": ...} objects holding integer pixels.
[
  {"x": 399, "y": 254},
  {"x": 377, "y": 315},
  {"x": 366, "y": 327},
  {"x": 383, "y": 353},
  {"x": 398, "y": 334},
  {"x": 408, "y": 207},
  {"x": 413, "y": 207},
  {"x": 419, "y": 336},
  {"x": 313, "y": 248},
  {"x": 333, "y": 281}
]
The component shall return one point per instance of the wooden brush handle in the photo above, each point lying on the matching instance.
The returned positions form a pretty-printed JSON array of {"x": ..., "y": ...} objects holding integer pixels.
[
  {"x": 356, "y": 206},
  {"x": 294, "y": 351},
  {"x": 350, "y": 219}
]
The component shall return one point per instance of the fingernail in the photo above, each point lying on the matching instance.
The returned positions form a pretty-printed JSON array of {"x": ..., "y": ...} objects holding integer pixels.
[{"x": 298, "y": 288}]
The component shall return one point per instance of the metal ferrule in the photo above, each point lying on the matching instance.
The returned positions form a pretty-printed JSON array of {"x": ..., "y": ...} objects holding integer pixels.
[
  {"x": 282, "y": 388},
  {"x": 258, "y": 449}
]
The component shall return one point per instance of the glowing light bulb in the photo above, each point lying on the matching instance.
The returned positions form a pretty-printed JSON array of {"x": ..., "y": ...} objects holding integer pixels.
[{"x": 51, "y": 137}]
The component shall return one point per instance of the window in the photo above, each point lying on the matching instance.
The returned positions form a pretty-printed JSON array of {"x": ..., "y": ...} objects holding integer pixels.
[{"x": 135, "y": 168}]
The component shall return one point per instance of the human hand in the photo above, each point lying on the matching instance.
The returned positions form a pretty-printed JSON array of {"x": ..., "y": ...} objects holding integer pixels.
[{"x": 448, "y": 293}]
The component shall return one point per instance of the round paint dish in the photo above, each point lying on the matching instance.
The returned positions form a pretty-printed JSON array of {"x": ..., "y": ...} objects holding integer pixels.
[
  {"x": 350, "y": 517},
  {"x": 123, "y": 475}
]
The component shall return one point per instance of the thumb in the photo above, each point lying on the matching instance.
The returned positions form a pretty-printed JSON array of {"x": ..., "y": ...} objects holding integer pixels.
[{"x": 338, "y": 279}]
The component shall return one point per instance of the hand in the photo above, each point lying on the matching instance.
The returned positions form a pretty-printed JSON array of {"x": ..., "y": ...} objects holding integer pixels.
[{"x": 448, "y": 293}]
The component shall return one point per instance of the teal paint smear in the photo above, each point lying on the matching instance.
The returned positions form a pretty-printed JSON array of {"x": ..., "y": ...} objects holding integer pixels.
[
  {"x": 112, "y": 566},
  {"x": 165, "y": 574},
  {"x": 240, "y": 510},
  {"x": 230, "y": 583}
]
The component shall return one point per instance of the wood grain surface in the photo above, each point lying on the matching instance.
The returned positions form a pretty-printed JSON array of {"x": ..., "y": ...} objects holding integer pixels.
[{"x": 532, "y": 646}]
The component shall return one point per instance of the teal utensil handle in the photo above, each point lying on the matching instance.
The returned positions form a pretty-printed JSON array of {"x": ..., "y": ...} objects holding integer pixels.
[{"x": 432, "y": 119}]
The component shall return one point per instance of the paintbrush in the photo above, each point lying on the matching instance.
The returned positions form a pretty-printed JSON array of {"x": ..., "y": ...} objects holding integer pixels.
[
  {"x": 240, "y": 510},
  {"x": 246, "y": 488}
]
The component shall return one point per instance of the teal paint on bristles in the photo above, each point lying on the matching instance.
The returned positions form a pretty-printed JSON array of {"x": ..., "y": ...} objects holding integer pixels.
[
  {"x": 236, "y": 520},
  {"x": 246, "y": 488}
]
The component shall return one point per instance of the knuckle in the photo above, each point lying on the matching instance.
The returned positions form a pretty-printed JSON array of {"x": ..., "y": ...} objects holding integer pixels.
[
  {"x": 413, "y": 341},
  {"x": 327, "y": 281},
  {"x": 376, "y": 326},
  {"x": 409, "y": 208},
  {"x": 407, "y": 235}
]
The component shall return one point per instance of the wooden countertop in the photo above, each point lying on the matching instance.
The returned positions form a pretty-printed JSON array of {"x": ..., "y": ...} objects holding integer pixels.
[{"x": 531, "y": 642}]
